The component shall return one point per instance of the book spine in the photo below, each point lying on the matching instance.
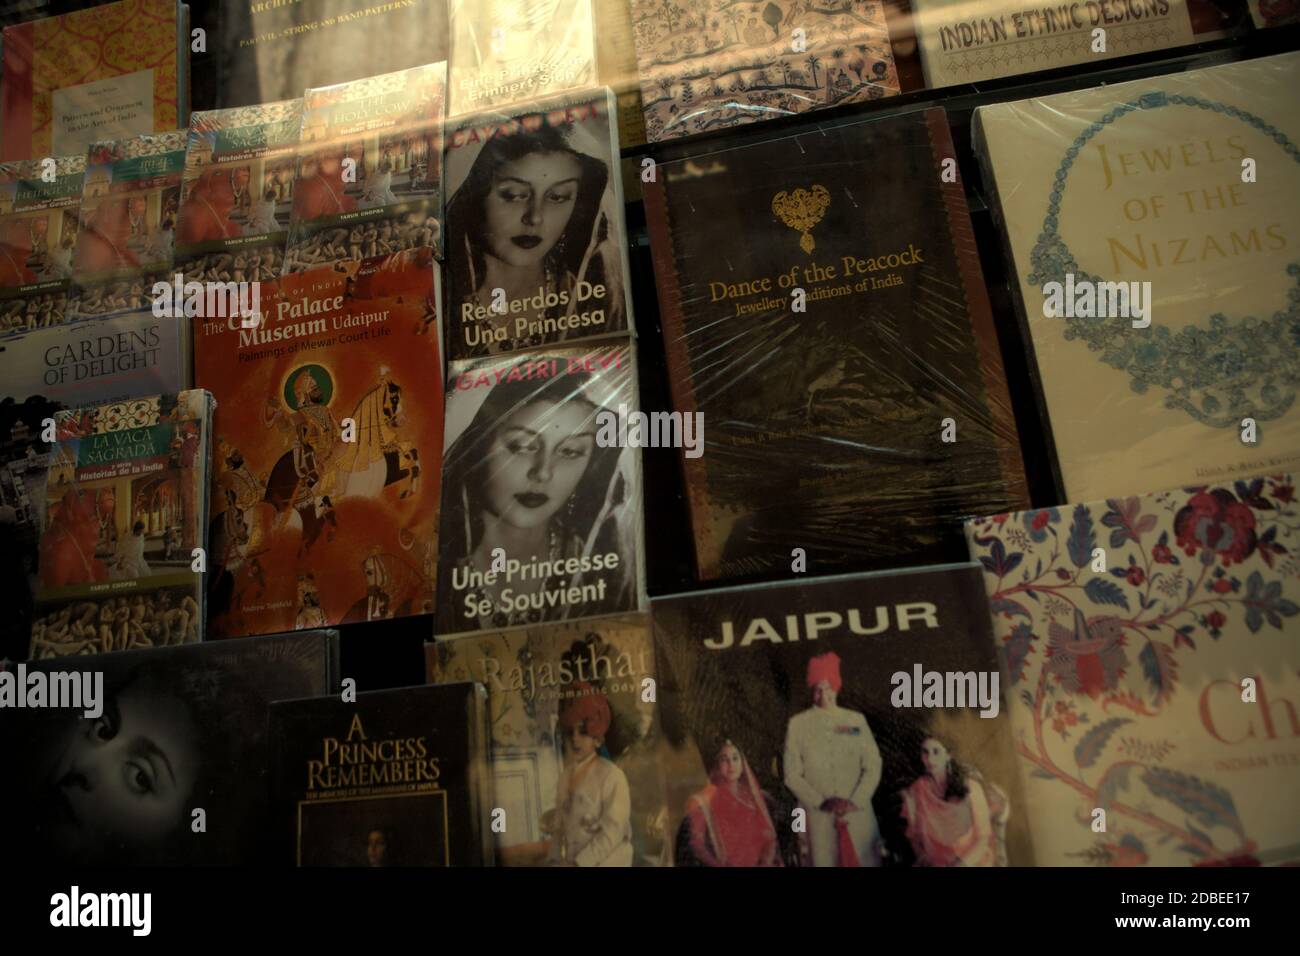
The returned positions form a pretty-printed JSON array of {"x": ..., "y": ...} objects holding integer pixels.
[
  {"x": 679, "y": 373},
  {"x": 16, "y": 92}
]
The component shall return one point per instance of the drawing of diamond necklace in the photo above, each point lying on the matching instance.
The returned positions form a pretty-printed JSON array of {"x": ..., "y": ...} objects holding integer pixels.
[{"x": 1233, "y": 369}]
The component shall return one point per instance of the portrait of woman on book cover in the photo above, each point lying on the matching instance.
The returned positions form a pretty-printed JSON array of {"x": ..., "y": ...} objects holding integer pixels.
[
  {"x": 953, "y": 817},
  {"x": 730, "y": 820},
  {"x": 526, "y": 476},
  {"x": 534, "y": 216}
]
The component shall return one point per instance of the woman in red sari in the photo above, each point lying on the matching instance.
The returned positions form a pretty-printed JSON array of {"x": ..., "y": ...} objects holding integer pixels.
[
  {"x": 949, "y": 822},
  {"x": 729, "y": 821}
]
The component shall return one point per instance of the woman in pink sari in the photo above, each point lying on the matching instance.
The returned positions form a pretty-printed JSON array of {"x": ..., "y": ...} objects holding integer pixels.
[
  {"x": 949, "y": 822},
  {"x": 729, "y": 820}
]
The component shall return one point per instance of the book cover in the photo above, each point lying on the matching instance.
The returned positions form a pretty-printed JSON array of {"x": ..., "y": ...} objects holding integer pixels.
[
  {"x": 712, "y": 64},
  {"x": 575, "y": 739},
  {"x": 1182, "y": 193},
  {"x": 537, "y": 244},
  {"x": 962, "y": 44},
  {"x": 1149, "y": 647},
  {"x": 236, "y": 193},
  {"x": 38, "y": 226},
  {"x": 541, "y": 508},
  {"x": 109, "y": 72},
  {"x": 174, "y": 737},
  {"x": 127, "y": 224},
  {"x": 511, "y": 51},
  {"x": 126, "y": 504},
  {"x": 397, "y": 778},
  {"x": 369, "y": 174},
  {"x": 847, "y": 371},
  {"x": 1273, "y": 13},
  {"x": 845, "y": 721},
  {"x": 43, "y": 372},
  {"x": 273, "y": 51},
  {"x": 322, "y": 511}
]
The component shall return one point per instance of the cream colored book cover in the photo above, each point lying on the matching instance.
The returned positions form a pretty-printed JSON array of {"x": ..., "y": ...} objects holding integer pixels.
[
  {"x": 963, "y": 41},
  {"x": 1185, "y": 189},
  {"x": 1148, "y": 646}
]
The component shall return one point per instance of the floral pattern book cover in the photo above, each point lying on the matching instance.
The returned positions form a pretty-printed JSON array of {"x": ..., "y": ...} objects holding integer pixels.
[{"x": 1150, "y": 645}]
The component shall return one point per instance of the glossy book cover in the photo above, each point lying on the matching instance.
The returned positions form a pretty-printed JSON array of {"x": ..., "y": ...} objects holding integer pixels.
[
  {"x": 824, "y": 310},
  {"x": 575, "y": 739},
  {"x": 396, "y": 778},
  {"x": 324, "y": 507},
  {"x": 126, "y": 504},
  {"x": 369, "y": 169},
  {"x": 855, "y": 720},
  {"x": 1182, "y": 191},
  {"x": 38, "y": 227},
  {"x": 1149, "y": 645},
  {"x": 536, "y": 241},
  {"x": 178, "y": 735},
  {"x": 541, "y": 514}
]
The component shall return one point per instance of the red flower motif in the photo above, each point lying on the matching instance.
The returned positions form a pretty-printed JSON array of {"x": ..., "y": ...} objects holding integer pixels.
[
  {"x": 1215, "y": 620},
  {"x": 1135, "y": 576},
  {"x": 1041, "y": 519},
  {"x": 1219, "y": 522},
  {"x": 1162, "y": 554},
  {"x": 1221, "y": 586},
  {"x": 1284, "y": 493}
]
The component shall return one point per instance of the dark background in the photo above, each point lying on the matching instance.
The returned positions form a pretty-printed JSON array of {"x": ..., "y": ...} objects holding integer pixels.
[{"x": 390, "y": 653}]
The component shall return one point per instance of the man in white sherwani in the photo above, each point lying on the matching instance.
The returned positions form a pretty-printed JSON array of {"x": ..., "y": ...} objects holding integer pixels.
[{"x": 833, "y": 766}]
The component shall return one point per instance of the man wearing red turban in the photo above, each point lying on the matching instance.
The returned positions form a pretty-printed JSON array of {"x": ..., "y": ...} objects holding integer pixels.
[
  {"x": 594, "y": 803},
  {"x": 832, "y": 764}
]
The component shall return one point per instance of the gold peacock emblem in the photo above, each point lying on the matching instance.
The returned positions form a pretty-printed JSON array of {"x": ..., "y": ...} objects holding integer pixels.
[{"x": 801, "y": 210}]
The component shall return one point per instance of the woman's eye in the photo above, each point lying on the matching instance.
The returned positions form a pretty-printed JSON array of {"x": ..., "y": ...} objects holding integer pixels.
[
  {"x": 522, "y": 447},
  {"x": 139, "y": 779},
  {"x": 514, "y": 195},
  {"x": 572, "y": 451},
  {"x": 560, "y": 198}
]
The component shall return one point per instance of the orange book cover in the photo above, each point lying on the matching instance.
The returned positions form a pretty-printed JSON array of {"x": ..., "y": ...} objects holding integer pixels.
[
  {"x": 109, "y": 72},
  {"x": 325, "y": 477}
]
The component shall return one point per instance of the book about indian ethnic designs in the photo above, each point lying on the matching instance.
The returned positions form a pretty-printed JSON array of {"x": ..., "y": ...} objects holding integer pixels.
[
  {"x": 1154, "y": 228},
  {"x": 323, "y": 509},
  {"x": 828, "y": 353},
  {"x": 236, "y": 193},
  {"x": 712, "y": 64},
  {"x": 110, "y": 72},
  {"x": 38, "y": 226},
  {"x": 541, "y": 485},
  {"x": 1005, "y": 38},
  {"x": 511, "y": 51},
  {"x": 869, "y": 706},
  {"x": 273, "y": 51},
  {"x": 127, "y": 224},
  {"x": 125, "y": 508},
  {"x": 369, "y": 174},
  {"x": 575, "y": 739},
  {"x": 1149, "y": 647},
  {"x": 398, "y": 778},
  {"x": 536, "y": 249},
  {"x": 159, "y": 734}
]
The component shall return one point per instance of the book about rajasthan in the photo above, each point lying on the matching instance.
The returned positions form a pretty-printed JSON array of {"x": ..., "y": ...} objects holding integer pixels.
[{"x": 324, "y": 509}]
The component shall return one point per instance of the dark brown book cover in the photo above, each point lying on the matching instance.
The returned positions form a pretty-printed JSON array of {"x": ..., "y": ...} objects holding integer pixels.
[{"x": 824, "y": 310}]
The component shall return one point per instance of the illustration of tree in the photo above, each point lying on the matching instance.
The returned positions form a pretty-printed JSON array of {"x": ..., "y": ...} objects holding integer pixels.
[
  {"x": 736, "y": 18},
  {"x": 813, "y": 63}
]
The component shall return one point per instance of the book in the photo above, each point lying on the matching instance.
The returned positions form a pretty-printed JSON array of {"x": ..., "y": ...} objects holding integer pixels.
[
  {"x": 56, "y": 368},
  {"x": 396, "y": 778},
  {"x": 322, "y": 511},
  {"x": 236, "y": 193},
  {"x": 575, "y": 739},
  {"x": 38, "y": 225},
  {"x": 127, "y": 224},
  {"x": 537, "y": 244},
  {"x": 126, "y": 511},
  {"x": 1148, "y": 644},
  {"x": 1273, "y": 13},
  {"x": 841, "y": 721},
  {"x": 165, "y": 760},
  {"x": 273, "y": 51},
  {"x": 849, "y": 375},
  {"x": 713, "y": 64},
  {"x": 369, "y": 174},
  {"x": 541, "y": 507},
  {"x": 961, "y": 45},
  {"x": 110, "y": 72},
  {"x": 510, "y": 52},
  {"x": 1142, "y": 188}
]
